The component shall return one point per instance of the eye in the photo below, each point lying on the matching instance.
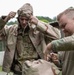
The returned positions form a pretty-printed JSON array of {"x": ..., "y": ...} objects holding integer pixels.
[
  {"x": 26, "y": 19},
  {"x": 62, "y": 25},
  {"x": 21, "y": 19}
]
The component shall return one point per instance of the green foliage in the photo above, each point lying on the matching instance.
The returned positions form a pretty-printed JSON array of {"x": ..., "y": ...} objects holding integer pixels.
[
  {"x": 0, "y": 68},
  {"x": 11, "y": 22},
  {"x": 44, "y": 19}
]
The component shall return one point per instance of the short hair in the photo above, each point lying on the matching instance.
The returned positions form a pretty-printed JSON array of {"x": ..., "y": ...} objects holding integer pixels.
[{"x": 68, "y": 12}]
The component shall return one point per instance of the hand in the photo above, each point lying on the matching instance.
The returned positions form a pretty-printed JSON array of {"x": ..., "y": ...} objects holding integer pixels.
[
  {"x": 33, "y": 20},
  {"x": 9, "y": 16},
  {"x": 47, "y": 50},
  {"x": 54, "y": 57}
]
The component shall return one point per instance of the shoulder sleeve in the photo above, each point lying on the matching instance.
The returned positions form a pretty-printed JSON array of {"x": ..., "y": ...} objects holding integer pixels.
[
  {"x": 64, "y": 44},
  {"x": 49, "y": 30},
  {"x": 2, "y": 23}
]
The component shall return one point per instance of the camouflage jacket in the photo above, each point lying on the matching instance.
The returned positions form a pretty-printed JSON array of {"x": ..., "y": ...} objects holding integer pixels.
[{"x": 37, "y": 40}]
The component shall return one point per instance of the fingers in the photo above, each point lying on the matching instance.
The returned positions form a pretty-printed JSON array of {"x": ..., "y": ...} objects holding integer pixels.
[
  {"x": 11, "y": 14},
  {"x": 54, "y": 57},
  {"x": 51, "y": 57},
  {"x": 33, "y": 20}
]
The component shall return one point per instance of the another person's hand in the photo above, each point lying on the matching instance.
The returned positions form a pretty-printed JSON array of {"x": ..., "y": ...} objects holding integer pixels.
[
  {"x": 47, "y": 51},
  {"x": 54, "y": 57}
]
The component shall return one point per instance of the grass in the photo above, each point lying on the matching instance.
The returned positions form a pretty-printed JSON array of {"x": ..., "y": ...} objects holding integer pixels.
[{"x": 0, "y": 68}]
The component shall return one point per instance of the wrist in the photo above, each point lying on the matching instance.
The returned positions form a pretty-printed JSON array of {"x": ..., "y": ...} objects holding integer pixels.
[
  {"x": 49, "y": 46},
  {"x": 7, "y": 19}
]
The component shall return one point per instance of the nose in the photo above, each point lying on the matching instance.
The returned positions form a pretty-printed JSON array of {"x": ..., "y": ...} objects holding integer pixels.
[{"x": 24, "y": 21}]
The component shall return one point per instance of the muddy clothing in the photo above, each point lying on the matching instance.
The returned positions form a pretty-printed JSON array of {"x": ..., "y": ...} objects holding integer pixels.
[
  {"x": 25, "y": 43},
  {"x": 11, "y": 33},
  {"x": 20, "y": 46},
  {"x": 25, "y": 50},
  {"x": 66, "y": 44}
]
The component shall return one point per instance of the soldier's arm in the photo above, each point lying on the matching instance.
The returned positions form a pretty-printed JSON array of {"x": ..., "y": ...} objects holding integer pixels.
[
  {"x": 2, "y": 22},
  {"x": 49, "y": 30},
  {"x": 64, "y": 44},
  {"x": 5, "y": 19},
  {"x": 10, "y": 16},
  {"x": 46, "y": 28}
]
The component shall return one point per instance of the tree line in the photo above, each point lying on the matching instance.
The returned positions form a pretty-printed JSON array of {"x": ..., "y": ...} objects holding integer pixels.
[{"x": 42, "y": 18}]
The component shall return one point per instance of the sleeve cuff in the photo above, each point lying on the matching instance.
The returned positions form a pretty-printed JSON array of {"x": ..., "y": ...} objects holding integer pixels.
[{"x": 2, "y": 22}]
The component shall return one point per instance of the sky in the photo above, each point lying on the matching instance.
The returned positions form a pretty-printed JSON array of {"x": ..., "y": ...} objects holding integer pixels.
[{"x": 49, "y": 8}]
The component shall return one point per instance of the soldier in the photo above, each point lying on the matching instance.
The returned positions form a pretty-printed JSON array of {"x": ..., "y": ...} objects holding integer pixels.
[
  {"x": 24, "y": 41},
  {"x": 66, "y": 22}
]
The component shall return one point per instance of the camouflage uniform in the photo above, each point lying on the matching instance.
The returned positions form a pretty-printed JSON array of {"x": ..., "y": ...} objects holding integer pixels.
[
  {"x": 66, "y": 44},
  {"x": 25, "y": 44}
]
